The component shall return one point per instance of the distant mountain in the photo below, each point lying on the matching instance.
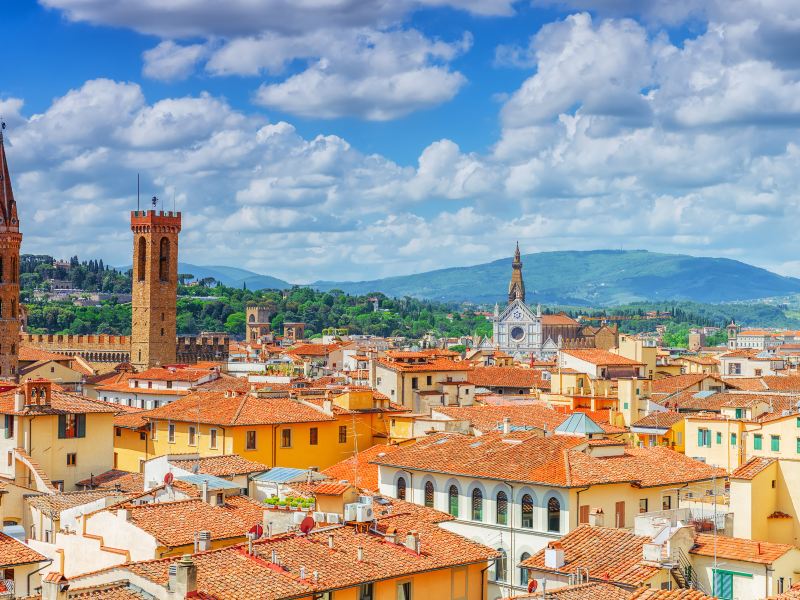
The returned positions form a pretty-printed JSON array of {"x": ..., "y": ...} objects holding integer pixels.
[
  {"x": 592, "y": 278},
  {"x": 235, "y": 277}
]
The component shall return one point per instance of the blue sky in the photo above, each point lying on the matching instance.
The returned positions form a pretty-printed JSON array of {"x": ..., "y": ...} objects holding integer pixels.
[{"x": 358, "y": 138}]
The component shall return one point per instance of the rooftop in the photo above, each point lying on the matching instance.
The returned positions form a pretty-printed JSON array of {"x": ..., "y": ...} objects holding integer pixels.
[
  {"x": 513, "y": 377},
  {"x": 359, "y": 469},
  {"x": 13, "y": 552},
  {"x": 600, "y": 357},
  {"x": 730, "y": 548},
  {"x": 225, "y": 465}
]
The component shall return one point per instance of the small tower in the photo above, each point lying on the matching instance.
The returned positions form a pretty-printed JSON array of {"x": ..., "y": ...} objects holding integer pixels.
[
  {"x": 516, "y": 287},
  {"x": 10, "y": 241},
  {"x": 733, "y": 334},
  {"x": 155, "y": 287},
  {"x": 258, "y": 322}
]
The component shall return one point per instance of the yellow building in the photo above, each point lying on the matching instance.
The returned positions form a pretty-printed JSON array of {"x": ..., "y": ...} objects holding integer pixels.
[
  {"x": 665, "y": 428},
  {"x": 132, "y": 443},
  {"x": 408, "y": 377},
  {"x": 272, "y": 428},
  {"x": 53, "y": 438}
]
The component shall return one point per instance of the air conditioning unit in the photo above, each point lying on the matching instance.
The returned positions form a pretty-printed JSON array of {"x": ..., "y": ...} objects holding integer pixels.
[
  {"x": 319, "y": 517},
  {"x": 365, "y": 500},
  {"x": 364, "y": 513},
  {"x": 298, "y": 517},
  {"x": 350, "y": 512},
  {"x": 333, "y": 518}
]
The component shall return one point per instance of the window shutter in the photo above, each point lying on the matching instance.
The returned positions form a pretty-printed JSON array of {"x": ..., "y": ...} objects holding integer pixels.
[
  {"x": 700, "y": 440},
  {"x": 62, "y": 426},
  {"x": 80, "y": 425}
]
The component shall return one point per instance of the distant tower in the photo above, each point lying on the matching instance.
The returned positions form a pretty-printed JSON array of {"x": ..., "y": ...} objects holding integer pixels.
[
  {"x": 10, "y": 240},
  {"x": 516, "y": 287},
  {"x": 733, "y": 335},
  {"x": 258, "y": 323},
  {"x": 155, "y": 287}
]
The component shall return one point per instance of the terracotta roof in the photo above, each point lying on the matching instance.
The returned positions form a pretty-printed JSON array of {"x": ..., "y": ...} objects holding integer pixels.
[
  {"x": 113, "y": 478},
  {"x": 125, "y": 387},
  {"x": 752, "y": 467},
  {"x": 31, "y": 354},
  {"x": 679, "y": 383},
  {"x": 597, "y": 356},
  {"x": 694, "y": 401},
  {"x": 558, "y": 319},
  {"x": 61, "y": 402},
  {"x": 14, "y": 552},
  {"x": 749, "y": 384},
  {"x": 225, "y": 465},
  {"x": 117, "y": 590},
  {"x": 232, "y": 574},
  {"x": 700, "y": 360},
  {"x": 220, "y": 408},
  {"x": 175, "y": 523},
  {"x": 313, "y": 349},
  {"x": 170, "y": 374},
  {"x": 131, "y": 419},
  {"x": 594, "y": 590},
  {"x": 730, "y": 548},
  {"x": 608, "y": 553},
  {"x": 792, "y": 594},
  {"x": 431, "y": 364},
  {"x": 513, "y": 377},
  {"x": 676, "y": 594},
  {"x": 743, "y": 399},
  {"x": 555, "y": 461},
  {"x": 487, "y": 418},
  {"x": 659, "y": 420},
  {"x": 359, "y": 469},
  {"x": 330, "y": 488},
  {"x": 53, "y": 504}
]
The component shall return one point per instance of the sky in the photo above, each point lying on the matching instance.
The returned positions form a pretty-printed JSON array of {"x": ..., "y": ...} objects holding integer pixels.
[{"x": 358, "y": 139}]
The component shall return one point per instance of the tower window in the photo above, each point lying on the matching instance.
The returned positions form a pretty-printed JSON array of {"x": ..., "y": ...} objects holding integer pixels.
[
  {"x": 142, "y": 259},
  {"x": 163, "y": 260}
]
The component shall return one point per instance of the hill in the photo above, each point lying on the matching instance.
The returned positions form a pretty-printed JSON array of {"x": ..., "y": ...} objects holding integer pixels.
[
  {"x": 589, "y": 278},
  {"x": 235, "y": 277}
]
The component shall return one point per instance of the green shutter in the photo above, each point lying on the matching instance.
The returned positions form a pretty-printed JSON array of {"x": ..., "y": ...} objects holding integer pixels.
[
  {"x": 723, "y": 585},
  {"x": 719, "y": 438},
  {"x": 775, "y": 443},
  {"x": 62, "y": 426},
  {"x": 733, "y": 439},
  {"x": 798, "y": 445},
  {"x": 80, "y": 425},
  {"x": 757, "y": 441},
  {"x": 738, "y": 413},
  {"x": 700, "y": 438}
]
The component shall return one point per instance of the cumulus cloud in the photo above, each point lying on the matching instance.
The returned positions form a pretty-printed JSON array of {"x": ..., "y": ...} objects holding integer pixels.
[{"x": 170, "y": 61}]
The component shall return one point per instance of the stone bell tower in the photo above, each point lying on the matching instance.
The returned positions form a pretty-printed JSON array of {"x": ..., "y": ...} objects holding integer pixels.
[
  {"x": 516, "y": 287},
  {"x": 155, "y": 287},
  {"x": 10, "y": 241}
]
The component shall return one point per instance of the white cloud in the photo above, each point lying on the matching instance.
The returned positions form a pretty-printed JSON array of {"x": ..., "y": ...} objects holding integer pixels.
[{"x": 170, "y": 61}]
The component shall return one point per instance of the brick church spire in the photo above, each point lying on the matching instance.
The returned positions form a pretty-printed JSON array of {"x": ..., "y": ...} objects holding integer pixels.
[
  {"x": 10, "y": 241},
  {"x": 516, "y": 287}
]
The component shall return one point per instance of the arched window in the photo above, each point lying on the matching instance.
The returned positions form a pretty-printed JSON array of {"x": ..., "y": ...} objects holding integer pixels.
[
  {"x": 502, "y": 508},
  {"x": 13, "y": 314},
  {"x": 452, "y": 500},
  {"x": 501, "y": 566},
  {"x": 163, "y": 260},
  {"x": 252, "y": 318},
  {"x": 527, "y": 511},
  {"x": 477, "y": 505},
  {"x": 14, "y": 270},
  {"x": 141, "y": 265},
  {"x": 401, "y": 488},
  {"x": 524, "y": 575},
  {"x": 553, "y": 515},
  {"x": 429, "y": 494}
]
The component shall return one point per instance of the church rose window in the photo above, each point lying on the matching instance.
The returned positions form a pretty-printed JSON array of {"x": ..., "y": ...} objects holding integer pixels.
[{"x": 517, "y": 333}]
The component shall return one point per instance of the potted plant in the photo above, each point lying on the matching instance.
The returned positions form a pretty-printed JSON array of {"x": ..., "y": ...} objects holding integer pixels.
[
  {"x": 270, "y": 502},
  {"x": 282, "y": 504}
]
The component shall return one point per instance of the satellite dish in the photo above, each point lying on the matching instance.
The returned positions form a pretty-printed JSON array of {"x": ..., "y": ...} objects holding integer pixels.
[
  {"x": 532, "y": 585},
  {"x": 307, "y": 525},
  {"x": 168, "y": 478},
  {"x": 257, "y": 530}
]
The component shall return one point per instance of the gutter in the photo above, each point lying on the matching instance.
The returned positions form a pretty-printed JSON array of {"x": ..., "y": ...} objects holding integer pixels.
[
  {"x": 49, "y": 562},
  {"x": 578, "y": 503}
]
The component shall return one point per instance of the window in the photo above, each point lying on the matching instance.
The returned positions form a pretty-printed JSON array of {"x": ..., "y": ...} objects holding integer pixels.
[
  {"x": 401, "y": 488},
  {"x": 583, "y": 514},
  {"x": 192, "y": 435},
  {"x": 220, "y": 498},
  {"x": 117, "y": 431},
  {"x": 72, "y": 459},
  {"x": 738, "y": 413},
  {"x": 141, "y": 255},
  {"x": 643, "y": 505},
  {"x": 366, "y": 592},
  {"x": 527, "y": 511},
  {"x": 429, "y": 380},
  {"x": 142, "y": 436},
  {"x": 798, "y": 445},
  {"x": 501, "y": 566},
  {"x": 250, "y": 442},
  {"x": 212, "y": 439},
  {"x": 734, "y": 369},
  {"x": 153, "y": 429},
  {"x": 169, "y": 383},
  {"x": 502, "y": 508},
  {"x": 171, "y": 433},
  {"x": 404, "y": 591},
  {"x": 452, "y": 500},
  {"x": 9, "y": 426},
  {"x": 553, "y": 515},
  {"x": 286, "y": 438},
  {"x": 163, "y": 260},
  {"x": 313, "y": 436},
  {"x": 758, "y": 372},
  {"x": 775, "y": 443},
  {"x": 342, "y": 434},
  {"x": 797, "y": 422},
  {"x": 757, "y": 441},
  {"x": 429, "y": 494},
  {"x": 733, "y": 439},
  {"x": 666, "y": 503},
  {"x": 704, "y": 438},
  {"x": 477, "y": 505},
  {"x": 71, "y": 426},
  {"x": 619, "y": 514},
  {"x": 415, "y": 383},
  {"x": 719, "y": 438},
  {"x": 524, "y": 576}
]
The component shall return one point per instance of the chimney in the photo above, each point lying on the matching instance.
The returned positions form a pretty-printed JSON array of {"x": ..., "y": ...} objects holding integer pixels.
[
  {"x": 554, "y": 555},
  {"x": 19, "y": 400},
  {"x": 204, "y": 491},
  {"x": 412, "y": 541},
  {"x": 172, "y": 571},
  {"x": 506, "y": 425},
  {"x": 360, "y": 554},
  {"x": 185, "y": 577},
  {"x": 327, "y": 406},
  {"x": 330, "y": 541},
  {"x": 204, "y": 541},
  {"x": 55, "y": 587},
  {"x": 124, "y": 514}
]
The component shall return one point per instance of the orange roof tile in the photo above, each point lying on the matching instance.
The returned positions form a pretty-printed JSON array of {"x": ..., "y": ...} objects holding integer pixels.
[
  {"x": 594, "y": 590},
  {"x": 513, "y": 377},
  {"x": 752, "y": 467},
  {"x": 358, "y": 469},
  {"x": 558, "y": 319},
  {"x": 61, "y": 402},
  {"x": 113, "y": 478},
  {"x": 30, "y": 354},
  {"x": 14, "y": 552},
  {"x": 597, "y": 356},
  {"x": 659, "y": 420},
  {"x": 730, "y": 548},
  {"x": 225, "y": 465},
  {"x": 676, "y": 594},
  {"x": 679, "y": 383},
  {"x": 612, "y": 554},
  {"x": 430, "y": 364}
]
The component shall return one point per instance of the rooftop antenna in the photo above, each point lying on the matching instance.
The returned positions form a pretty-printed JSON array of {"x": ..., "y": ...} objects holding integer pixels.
[
  {"x": 173, "y": 200},
  {"x": 2, "y": 182}
]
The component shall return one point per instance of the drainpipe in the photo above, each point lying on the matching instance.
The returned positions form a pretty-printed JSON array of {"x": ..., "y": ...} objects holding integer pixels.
[
  {"x": 484, "y": 577},
  {"x": 767, "y": 571},
  {"x": 578, "y": 505},
  {"x": 44, "y": 566}
]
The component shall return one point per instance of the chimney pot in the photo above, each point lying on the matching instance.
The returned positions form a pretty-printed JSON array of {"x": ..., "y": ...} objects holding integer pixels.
[
  {"x": 506, "y": 425},
  {"x": 360, "y": 554},
  {"x": 185, "y": 577},
  {"x": 330, "y": 540}
]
